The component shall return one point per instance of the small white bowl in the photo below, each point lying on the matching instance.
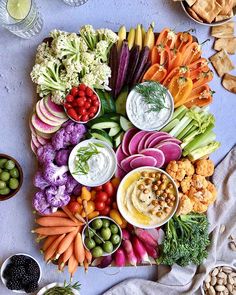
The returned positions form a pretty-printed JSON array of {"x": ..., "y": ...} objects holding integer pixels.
[
  {"x": 216, "y": 265},
  {"x": 112, "y": 220},
  {"x": 121, "y": 207},
  {"x": 214, "y": 24},
  {"x": 7, "y": 261},
  {"x": 52, "y": 285}
]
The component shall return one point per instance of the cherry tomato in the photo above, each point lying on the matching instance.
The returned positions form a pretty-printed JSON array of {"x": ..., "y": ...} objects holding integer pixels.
[
  {"x": 74, "y": 91},
  {"x": 92, "y": 110},
  {"x": 98, "y": 188},
  {"x": 89, "y": 92},
  {"x": 101, "y": 196},
  {"x": 95, "y": 103},
  {"x": 89, "y": 100},
  {"x": 72, "y": 113},
  {"x": 87, "y": 105},
  {"x": 81, "y": 93},
  {"x": 80, "y": 102},
  {"x": 84, "y": 118},
  {"x": 69, "y": 98},
  {"x": 74, "y": 103},
  {"x": 105, "y": 211},
  {"x": 82, "y": 87},
  {"x": 109, "y": 189},
  {"x": 82, "y": 111},
  {"x": 109, "y": 202},
  {"x": 67, "y": 105},
  {"x": 94, "y": 97},
  {"x": 73, "y": 206},
  {"x": 91, "y": 115},
  {"x": 99, "y": 206}
]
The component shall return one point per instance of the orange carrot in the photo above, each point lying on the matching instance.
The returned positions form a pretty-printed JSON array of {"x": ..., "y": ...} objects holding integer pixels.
[
  {"x": 88, "y": 256},
  {"x": 58, "y": 213},
  {"x": 48, "y": 242},
  {"x": 40, "y": 238},
  {"x": 80, "y": 218},
  {"x": 72, "y": 264},
  {"x": 67, "y": 254},
  {"x": 65, "y": 243},
  {"x": 55, "y": 221},
  {"x": 51, "y": 250},
  {"x": 60, "y": 265},
  {"x": 70, "y": 215},
  {"x": 86, "y": 265},
  {"x": 53, "y": 230},
  {"x": 79, "y": 249}
]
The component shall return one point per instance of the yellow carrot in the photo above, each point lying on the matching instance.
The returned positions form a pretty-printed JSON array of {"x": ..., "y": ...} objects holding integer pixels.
[
  {"x": 79, "y": 249},
  {"x": 48, "y": 242},
  {"x": 48, "y": 254},
  {"x": 65, "y": 243},
  {"x": 55, "y": 221},
  {"x": 54, "y": 230}
]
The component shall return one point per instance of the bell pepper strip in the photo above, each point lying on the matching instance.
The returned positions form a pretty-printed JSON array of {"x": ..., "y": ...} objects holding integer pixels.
[
  {"x": 167, "y": 37},
  {"x": 183, "y": 40},
  {"x": 200, "y": 92},
  {"x": 192, "y": 53},
  {"x": 203, "y": 78},
  {"x": 195, "y": 74},
  {"x": 155, "y": 73},
  {"x": 205, "y": 98},
  {"x": 196, "y": 67},
  {"x": 180, "y": 88},
  {"x": 161, "y": 54},
  {"x": 178, "y": 71},
  {"x": 175, "y": 61}
]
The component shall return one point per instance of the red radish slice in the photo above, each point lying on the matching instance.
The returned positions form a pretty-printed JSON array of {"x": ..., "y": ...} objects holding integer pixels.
[
  {"x": 43, "y": 118},
  {"x": 143, "y": 161},
  {"x": 42, "y": 140},
  {"x": 35, "y": 141},
  {"x": 49, "y": 115},
  {"x": 171, "y": 150},
  {"x": 125, "y": 164},
  {"x": 120, "y": 155},
  {"x": 156, "y": 154},
  {"x": 134, "y": 142},
  {"x": 157, "y": 140},
  {"x": 151, "y": 133},
  {"x": 126, "y": 139},
  {"x": 175, "y": 140},
  {"x": 33, "y": 147},
  {"x": 43, "y": 135},
  {"x": 120, "y": 173},
  {"x": 54, "y": 109},
  {"x": 41, "y": 126},
  {"x": 154, "y": 136},
  {"x": 142, "y": 141}
]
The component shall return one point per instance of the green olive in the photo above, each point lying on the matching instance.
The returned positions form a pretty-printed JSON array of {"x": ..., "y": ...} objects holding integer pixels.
[
  {"x": 2, "y": 162},
  {"x": 4, "y": 191},
  {"x": 2, "y": 184},
  {"x": 106, "y": 233},
  {"x": 9, "y": 165},
  {"x": 105, "y": 223},
  {"x": 89, "y": 232},
  {"x": 13, "y": 183},
  {"x": 108, "y": 247},
  {"x": 114, "y": 229},
  {"x": 5, "y": 176},
  {"x": 90, "y": 243},
  {"x": 14, "y": 173},
  {"x": 97, "y": 223},
  {"x": 115, "y": 239},
  {"x": 97, "y": 252},
  {"x": 97, "y": 240}
]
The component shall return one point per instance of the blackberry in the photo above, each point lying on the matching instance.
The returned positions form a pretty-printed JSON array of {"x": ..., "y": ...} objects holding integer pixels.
[
  {"x": 32, "y": 287},
  {"x": 14, "y": 285},
  {"x": 29, "y": 278},
  {"x": 33, "y": 269},
  {"x": 19, "y": 259},
  {"x": 7, "y": 271},
  {"x": 17, "y": 272}
]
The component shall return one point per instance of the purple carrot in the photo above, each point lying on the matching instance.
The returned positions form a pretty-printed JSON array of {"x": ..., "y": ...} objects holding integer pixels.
[
  {"x": 145, "y": 237},
  {"x": 119, "y": 257},
  {"x": 140, "y": 250},
  {"x": 129, "y": 252},
  {"x": 133, "y": 61},
  {"x": 105, "y": 262},
  {"x": 125, "y": 234},
  {"x": 113, "y": 63}
]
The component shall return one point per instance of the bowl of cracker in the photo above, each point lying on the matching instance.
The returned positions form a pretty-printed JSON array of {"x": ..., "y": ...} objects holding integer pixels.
[{"x": 210, "y": 12}]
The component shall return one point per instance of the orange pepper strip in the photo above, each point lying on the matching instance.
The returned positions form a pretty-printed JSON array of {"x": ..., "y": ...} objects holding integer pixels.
[
  {"x": 178, "y": 71},
  {"x": 175, "y": 61},
  {"x": 202, "y": 91},
  {"x": 192, "y": 53},
  {"x": 167, "y": 37},
  {"x": 204, "y": 99},
  {"x": 183, "y": 40},
  {"x": 180, "y": 88},
  {"x": 203, "y": 78},
  {"x": 155, "y": 73}
]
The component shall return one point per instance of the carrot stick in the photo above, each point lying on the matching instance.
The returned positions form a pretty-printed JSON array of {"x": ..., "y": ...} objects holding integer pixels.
[
  {"x": 65, "y": 243},
  {"x": 48, "y": 254},
  {"x": 70, "y": 215},
  {"x": 86, "y": 265},
  {"x": 55, "y": 221},
  {"x": 80, "y": 218},
  {"x": 54, "y": 230},
  {"x": 48, "y": 242},
  {"x": 72, "y": 263},
  {"x": 79, "y": 249},
  {"x": 67, "y": 254},
  {"x": 60, "y": 266},
  {"x": 88, "y": 256},
  {"x": 58, "y": 213}
]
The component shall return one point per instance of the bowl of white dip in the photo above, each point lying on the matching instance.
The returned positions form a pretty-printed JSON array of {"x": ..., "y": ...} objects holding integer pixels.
[
  {"x": 92, "y": 162},
  {"x": 143, "y": 110}
]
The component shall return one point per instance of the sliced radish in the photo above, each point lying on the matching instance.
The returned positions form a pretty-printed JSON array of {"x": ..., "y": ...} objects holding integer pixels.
[
  {"x": 158, "y": 139},
  {"x": 35, "y": 141},
  {"x": 143, "y": 140},
  {"x": 171, "y": 150},
  {"x": 120, "y": 155},
  {"x": 143, "y": 161},
  {"x": 156, "y": 154},
  {"x": 42, "y": 140},
  {"x": 126, "y": 139},
  {"x": 41, "y": 126},
  {"x": 125, "y": 164},
  {"x": 152, "y": 137},
  {"x": 43, "y": 118},
  {"x": 175, "y": 140},
  {"x": 44, "y": 135},
  {"x": 134, "y": 142},
  {"x": 120, "y": 173},
  {"x": 49, "y": 115},
  {"x": 33, "y": 147},
  {"x": 32, "y": 129},
  {"x": 54, "y": 109}
]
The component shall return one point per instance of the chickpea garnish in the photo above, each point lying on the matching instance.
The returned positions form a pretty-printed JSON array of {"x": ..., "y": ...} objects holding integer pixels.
[
  {"x": 164, "y": 195},
  {"x": 148, "y": 181},
  {"x": 146, "y": 191},
  {"x": 168, "y": 200},
  {"x": 162, "y": 186},
  {"x": 170, "y": 185},
  {"x": 158, "y": 175},
  {"x": 141, "y": 187},
  {"x": 159, "y": 182},
  {"x": 167, "y": 210},
  {"x": 152, "y": 174},
  {"x": 154, "y": 202},
  {"x": 155, "y": 187},
  {"x": 171, "y": 204},
  {"x": 159, "y": 214},
  {"x": 162, "y": 203},
  {"x": 172, "y": 197},
  {"x": 144, "y": 174},
  {"x": 163, "y": 177},
  {"x": 153, "y": 211}
]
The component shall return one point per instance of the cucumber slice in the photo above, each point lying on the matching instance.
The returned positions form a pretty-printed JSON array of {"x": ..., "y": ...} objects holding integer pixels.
[
  {"x": 101, "y": 135},
  {"x": 112, "y": 116},
  {"x": 125, "y": 124},
  {"x": 121, "y": 101},
  {"x": 105, "y": 124},
  {"x": 114, "y": 131},
  {"x": 118, "y": 138}
]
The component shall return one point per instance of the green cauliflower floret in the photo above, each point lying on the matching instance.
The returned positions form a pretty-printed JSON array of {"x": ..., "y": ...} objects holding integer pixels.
[
  {"x": 44, "y": 52},
  {"x": 107, "y": 35},
  {"x": 89, "y": 35},
  {"x": 102, "y": 50}
]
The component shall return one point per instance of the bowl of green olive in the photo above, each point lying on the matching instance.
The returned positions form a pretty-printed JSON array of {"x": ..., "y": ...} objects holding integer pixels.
[{"x": 11, "y": 177}]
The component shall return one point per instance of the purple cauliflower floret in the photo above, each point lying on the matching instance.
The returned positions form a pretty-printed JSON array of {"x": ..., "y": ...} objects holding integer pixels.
[
  {"x": 62, "y": 157},
  {"x": 41, "y": 204},
  {"x": 77, "y": 134},
  {"x": 58, "y": 140},
  {"x": 71, "y": 184},
  {"x": 55, "y": 175},
  {"x": 77, "y": 189},
  {"x": 57, "y": 196},
  {"x": 39, "y": 180},
  {"x": 46, "y": 154}
]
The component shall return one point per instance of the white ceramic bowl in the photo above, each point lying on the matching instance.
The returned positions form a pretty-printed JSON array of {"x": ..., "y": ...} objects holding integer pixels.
[
  {"x": 48, "y": 287},
  {"x": 121, "y": 207},
  {"x": 112, "y": 220},
  {"x": 214, "y": 24},
  {"x": 216, "y": 265},
  {"x": 102, "y": 178},
  {"x": 7, "y": 261}
]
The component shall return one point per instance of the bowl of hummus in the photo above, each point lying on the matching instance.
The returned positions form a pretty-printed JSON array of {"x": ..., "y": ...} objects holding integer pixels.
[{"x": 147, "y": 197}]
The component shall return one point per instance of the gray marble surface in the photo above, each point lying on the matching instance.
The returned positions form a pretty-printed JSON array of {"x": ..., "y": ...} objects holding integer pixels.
[{"x": 18, "y": 98}]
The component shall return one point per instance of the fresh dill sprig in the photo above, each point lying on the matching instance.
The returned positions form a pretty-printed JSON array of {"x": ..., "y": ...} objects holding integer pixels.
[
  {"x": 154, "y": 94},
  {"x": 67, "y": 289}
]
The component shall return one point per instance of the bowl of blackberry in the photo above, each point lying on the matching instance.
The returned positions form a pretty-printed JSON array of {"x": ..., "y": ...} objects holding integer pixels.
[{"x": 21, "y": 273}]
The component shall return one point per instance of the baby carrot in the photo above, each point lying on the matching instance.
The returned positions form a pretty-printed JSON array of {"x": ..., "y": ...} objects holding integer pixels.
[
  {"x": 79, "y": 249},
  {"x": 53, "y": 230},
  {"x": 88, "y": 256},
  {"x": 58, "y": 213},
  {"x": 70, "y": 215},
  {"x": 67, "y": 254},
  {"x": 65, "y": 243},
  {"x": 48, "y": 254},
  {"x": 49, "y": 240},
  {"x": 72, "y": 264},
  {"x": 55, "y": 221}
]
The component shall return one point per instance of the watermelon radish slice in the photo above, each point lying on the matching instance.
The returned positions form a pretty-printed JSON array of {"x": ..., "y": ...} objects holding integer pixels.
[
  {"x": 126, "y": 139},
  {"x": 48, "y": 115},
  {"x": 143, "y": 161},
  {"x": 120, "y": 173},
  {"x": 54, "y": 109},
  {"x": 42, "y": 140},
  {"x": 125, "y": 164},
  {"x": 143, "y": 140},
  {"x": 152, "y": 137},
  {"x": 158, "y": 139},
  {"x": 41, "y": 126},
  {"x": 155, "y": 153},
  {"x": 33, "y": 147},
  {"x": 43, "y": 135},
  {"x": 120, "y": 155},
  {"x": 151, "y": 133},
  {"x": 134, "y": 142},
  {"x": 43, "y": 118},
  {"x": 175, "y": 140},
  {"x": 32, "y": 129},
  {"x": 35, "y": 141},
  {"x": 171, "y": 150}
]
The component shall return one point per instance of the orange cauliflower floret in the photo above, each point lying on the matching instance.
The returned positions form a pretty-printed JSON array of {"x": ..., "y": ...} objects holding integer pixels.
[
  {"x": 178, "y": 170},
  {"x": 199, "y": 207},
  {"x": 186, "y": 184},
  {"x": 212, "y": 188},
  {"x": 204, "y": 167},
  {"x": 185, "y": 205},
  {"x": 188, "y": 167},
  {"x": 199, "y": 181}
]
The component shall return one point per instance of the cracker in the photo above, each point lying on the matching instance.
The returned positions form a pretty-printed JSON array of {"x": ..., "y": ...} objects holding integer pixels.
[
  {"x": 223, "y": 31},
  {"x": 229, "y": 82},
  {"x": 207, "y": 9},
  {"x": 228, "y": 44},
  {"x": 194, "y": 14},
  {"x": 221, "y": 62},
  {"x": 190, "y": 2},
  {"x": 221, "y": 17},
  {"x": 227, "y": 6}
]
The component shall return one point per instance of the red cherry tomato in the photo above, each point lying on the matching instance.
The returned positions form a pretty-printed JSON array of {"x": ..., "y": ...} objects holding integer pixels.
[
  {"x": 69, "y": 98},
  {"x": 73, "y": 206},
  {"x": 87, "y": 105},
  {"x": 108, "y": 202},
  {"x": 72, "y": 113},
  {"x": 81, "y": 93},
  {"x": 74, "y": 91},
  {"x": 92, "y": 110},
  {"x": 74, "y": 103},
  {"x": 98, "y": 188},
  {"x": 67, "y": 105},
  {"x": 105, "y": 211},
  {"x": 91, "y": 115},
  {"x": 101, "y": 196},
  {"x": 80, "y": 102},
  {"x": 89, "y": 100},
  {"x": 99, "y": 206},
  {"x": 82, "y": 87},
  {"x": 95, "y": 103},
  {"x": 82, "y": 111},
  {"x": 84, "y": 118},
  {"x": 94, "y": 97},
  {"x": 109, "y": 189},
  {"x": 89, "y": 92}
]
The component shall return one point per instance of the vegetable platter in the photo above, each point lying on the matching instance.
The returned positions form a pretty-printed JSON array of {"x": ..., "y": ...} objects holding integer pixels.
[{"x": 122, "y": 134}]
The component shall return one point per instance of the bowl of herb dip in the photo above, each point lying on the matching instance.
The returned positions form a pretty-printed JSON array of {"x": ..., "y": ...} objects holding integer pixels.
[
  {"x": 150, "y": 106},
  {"x": 92, "y": 162}
]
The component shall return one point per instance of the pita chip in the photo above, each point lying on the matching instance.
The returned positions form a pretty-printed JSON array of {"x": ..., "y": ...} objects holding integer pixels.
[
  {"x": 228, "y": 44},
  {"x": 229, "y": 82},
  {"x": 221, "y": 62},
  {"x": 207, "y": 9},
  {"x": 194, "y": 15},
  {"x": 223, "y": 31}
]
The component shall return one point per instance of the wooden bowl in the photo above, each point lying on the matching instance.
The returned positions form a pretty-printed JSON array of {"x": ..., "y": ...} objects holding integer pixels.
[{"x": 13, "y": 192}]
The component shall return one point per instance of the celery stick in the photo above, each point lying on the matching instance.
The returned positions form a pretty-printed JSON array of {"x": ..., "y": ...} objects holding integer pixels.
[
  {"x": 170, "y": 126},
  {"x": 193, "y": 128},
  {"x": 182, "y": 110},
  {"x": 182, "y": 124},
  {"x": 204, "y": 151},
  {"x": 182, "y": 134}
]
